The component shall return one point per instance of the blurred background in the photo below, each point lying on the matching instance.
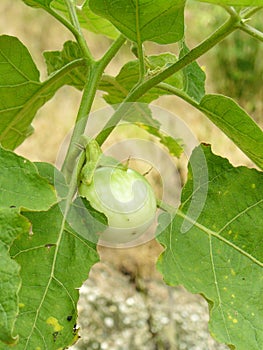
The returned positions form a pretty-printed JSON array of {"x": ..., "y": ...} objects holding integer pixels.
[{"x": 125, "y": 304}]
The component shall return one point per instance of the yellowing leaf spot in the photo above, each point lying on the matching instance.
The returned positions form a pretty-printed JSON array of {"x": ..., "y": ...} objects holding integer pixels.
[
  {"x": 226, "y": 277},
  {"x": 233, "y": 272},
  {"x": 229, "y": 317},
  {"x": 21, "y": 305},
  {"x": 253, "y": 186},
  {"x": 235, "y": 320},
  {"x": 229, "y": 232},
  {"x": 143, "y": 126},
  {"x": 54, "y": 323},
  {"x": 38, "y": 348},
  {"x": 225, "y": 288},
  {"x": 252, "y": 314},
  {"x": 233, "y": 295}
]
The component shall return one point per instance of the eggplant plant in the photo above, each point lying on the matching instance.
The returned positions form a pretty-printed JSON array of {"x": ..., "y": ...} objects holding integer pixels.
[{"x": 52, "y": 218}]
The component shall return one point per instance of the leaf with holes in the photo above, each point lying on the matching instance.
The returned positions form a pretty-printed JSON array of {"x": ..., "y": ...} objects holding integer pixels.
[
  {"x": 60, "y": 259},
  {"x": 220, "y": 256}
]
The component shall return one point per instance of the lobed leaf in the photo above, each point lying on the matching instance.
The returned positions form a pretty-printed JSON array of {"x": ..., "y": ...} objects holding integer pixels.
[
  {"x": 161, "y": 21},
  {"x": 220, "y": 256},
  {"x": 236, "y": 124},
  {"x": 21, "y": 185},
  {"x": 12, "y": 224}
]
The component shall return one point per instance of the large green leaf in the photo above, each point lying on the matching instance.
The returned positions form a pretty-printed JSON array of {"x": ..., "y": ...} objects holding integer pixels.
[
  {"x": 161, "y": 21},
  {"x": 12, "y": 224},
  {"x": 221, "y": 255},
  {"x": 235, "y": 2},
  {"x": 21, "y": 185},
  {"x": 236, "y": 124},
  {"x": 55, "y": 261},
  {"x": 21, "y": 92}
]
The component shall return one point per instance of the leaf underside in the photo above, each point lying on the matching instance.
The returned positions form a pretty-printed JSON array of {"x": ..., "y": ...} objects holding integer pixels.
[
  {"x": 161, "y": 21},
  {"x": 21, "y": 92}
]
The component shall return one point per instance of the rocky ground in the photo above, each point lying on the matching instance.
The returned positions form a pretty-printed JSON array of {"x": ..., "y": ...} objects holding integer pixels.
[{"x": 120, "y": 311}]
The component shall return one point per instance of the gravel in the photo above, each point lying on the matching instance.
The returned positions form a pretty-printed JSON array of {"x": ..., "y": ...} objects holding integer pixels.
[{"x": 118, "y": 311}]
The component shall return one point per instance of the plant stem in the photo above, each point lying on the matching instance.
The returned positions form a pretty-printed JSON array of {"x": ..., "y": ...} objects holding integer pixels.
[
  {"x": 257, "y": 34},
  {"x": 139, "y": 45},
  {"x": 246, "y": 14},
  {"x": 179, "y": 93},
  {"x": 89, "y": 92},
  {"x": 228, "y": 27},
  {"x": 77, "y": 32},
  {"x": 62, "y": 20}
]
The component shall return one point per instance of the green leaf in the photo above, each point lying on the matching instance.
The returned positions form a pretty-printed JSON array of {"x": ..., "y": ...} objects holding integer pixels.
[
  {"x": 118, "y": 87},
  {"x": 12, "y": 224},
  {"x": 55, "y": 261},
  {"x": 56, "y": 60},
  {"x": 21, "y": 185},
  {"x": 38, "y": 3},
  {"x": 194, "y": 77},
  {"x": 94, "y": 23},
  {"x": 175, "y": 146},
  {"x": 236, "y": 124},
  {"x": 235, "y": 2},
  {"x": 221, "y": 256},
  {"x": 161, "y": 21},
  {"x": 21, "y": 92},
  {"x": 54, "y": 177}
]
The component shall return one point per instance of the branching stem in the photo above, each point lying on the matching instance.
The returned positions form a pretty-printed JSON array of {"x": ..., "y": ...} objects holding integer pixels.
[
  {"x": 228, "y": 27},
  {"x": 95, "y": 73}
]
